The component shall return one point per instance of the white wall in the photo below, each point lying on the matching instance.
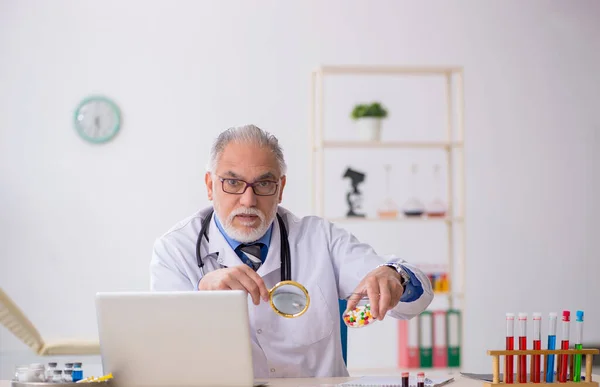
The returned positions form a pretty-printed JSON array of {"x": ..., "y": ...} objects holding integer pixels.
[{"x": 183, "y": 71}]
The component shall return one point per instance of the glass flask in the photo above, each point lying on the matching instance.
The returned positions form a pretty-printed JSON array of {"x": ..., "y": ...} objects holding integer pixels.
[
  {"x": 388, "y": 208},
  {"x": 436, "y": 208},
  {"x": 413, "y": 207}
]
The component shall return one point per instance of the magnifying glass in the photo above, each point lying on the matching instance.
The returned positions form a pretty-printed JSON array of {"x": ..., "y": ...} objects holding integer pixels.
[{"x": 289, "y": 299}]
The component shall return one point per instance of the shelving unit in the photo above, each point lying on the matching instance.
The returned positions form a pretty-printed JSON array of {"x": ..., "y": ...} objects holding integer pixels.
[
  {"x": 390, "y": 144},
  {"x": 452, "y": 145}
]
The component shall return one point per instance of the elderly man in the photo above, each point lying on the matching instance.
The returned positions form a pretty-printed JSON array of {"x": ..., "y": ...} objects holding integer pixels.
[{"x": 245, "y": 235}]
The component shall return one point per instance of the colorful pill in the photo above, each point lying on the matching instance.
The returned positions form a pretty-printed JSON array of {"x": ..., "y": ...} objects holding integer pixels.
[{"x": 358, "y": 317}]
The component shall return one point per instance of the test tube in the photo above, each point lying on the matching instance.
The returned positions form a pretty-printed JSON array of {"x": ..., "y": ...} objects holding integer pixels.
[
  {"x": 537, "y": 345},
  {"x": 405, "y": 379},
  {"x": 564, "y": 344},
  {"x": 522, "y": 346},
  {"x": 421, "y": 379},
  {"x": 551, "y": 346},
  {"x": 510, "y": 345},
  {"x": 576, "y": 374}
]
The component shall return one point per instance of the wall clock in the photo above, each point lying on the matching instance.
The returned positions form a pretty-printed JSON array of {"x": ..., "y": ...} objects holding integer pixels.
[{"x": 97, "y": 119}]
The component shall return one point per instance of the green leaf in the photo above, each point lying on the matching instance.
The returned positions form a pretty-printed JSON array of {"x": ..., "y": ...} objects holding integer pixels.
[{"x": 374, "y": 109}]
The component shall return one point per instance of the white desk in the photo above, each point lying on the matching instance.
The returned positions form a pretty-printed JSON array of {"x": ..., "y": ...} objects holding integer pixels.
[{"x": 459, "y": 381}]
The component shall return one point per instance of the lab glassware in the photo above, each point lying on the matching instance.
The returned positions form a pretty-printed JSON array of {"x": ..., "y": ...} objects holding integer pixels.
[
  {"x": 388, "y": 208},
  {"x": 413, "y": 207},
  {"x": 437, "y": 207}
]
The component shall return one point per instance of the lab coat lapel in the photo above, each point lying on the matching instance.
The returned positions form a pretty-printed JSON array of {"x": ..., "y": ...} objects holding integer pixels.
[
  {"x": 218, "y": 244},
  {"x": 273, "y": 260}
]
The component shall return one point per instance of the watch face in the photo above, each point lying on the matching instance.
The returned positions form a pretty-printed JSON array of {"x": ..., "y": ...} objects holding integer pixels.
[{"x": 97, "y": 119}]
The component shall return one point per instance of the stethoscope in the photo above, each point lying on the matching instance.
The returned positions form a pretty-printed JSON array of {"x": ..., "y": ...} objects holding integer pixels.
[
  {"x": 287, "y": 298},
  {"x": 286, "y": 269}
]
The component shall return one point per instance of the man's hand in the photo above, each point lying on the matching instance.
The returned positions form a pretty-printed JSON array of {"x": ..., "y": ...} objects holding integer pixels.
[
  {"x": 239, "y": 277},
  {"x": 384, "y": 289}
]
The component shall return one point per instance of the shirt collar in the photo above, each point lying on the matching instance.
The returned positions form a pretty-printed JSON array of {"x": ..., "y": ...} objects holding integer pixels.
[{"x": 265, "y": 239}]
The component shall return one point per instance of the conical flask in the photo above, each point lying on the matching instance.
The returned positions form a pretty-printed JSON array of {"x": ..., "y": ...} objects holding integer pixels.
[
  {"x": 413, "y": 206},
  {"x": 437, "y": 207},
  {"x": 388, "y": 209}
]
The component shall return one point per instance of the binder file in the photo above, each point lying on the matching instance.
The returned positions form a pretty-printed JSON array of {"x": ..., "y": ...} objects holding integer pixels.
[
  {"x": 426, "y": 339},
  {"x": 453, "y": 323},
  {"x": 440, "y": 347},
  {"x": 408, "y": 343}
]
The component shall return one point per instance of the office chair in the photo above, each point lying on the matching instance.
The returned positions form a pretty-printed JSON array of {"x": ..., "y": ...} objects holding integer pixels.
[
  {"x": 13, "y": 318},
  {"x": 344, "y": 330}
]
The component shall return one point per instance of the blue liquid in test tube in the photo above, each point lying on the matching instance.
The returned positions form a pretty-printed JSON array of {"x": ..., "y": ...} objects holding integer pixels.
[{"x": 551, "y": 346}]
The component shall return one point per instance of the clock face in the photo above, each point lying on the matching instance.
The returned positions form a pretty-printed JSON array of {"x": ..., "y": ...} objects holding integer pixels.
[{"x": 97, "y": 119}]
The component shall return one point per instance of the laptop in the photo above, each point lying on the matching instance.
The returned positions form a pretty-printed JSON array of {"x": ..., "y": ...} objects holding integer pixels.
[{"x": 176, "y": 339}]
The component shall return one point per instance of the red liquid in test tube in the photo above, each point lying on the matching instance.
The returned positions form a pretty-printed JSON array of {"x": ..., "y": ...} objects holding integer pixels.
[
  {"x": 522, "y": 346},
  {"x": 405, "y": 379},
  {"x": 510, "y": 345},
  {"x": 421, "y": 379},
  {"x": 537, "y": 344},
  {"x": 564, "y": 344}
]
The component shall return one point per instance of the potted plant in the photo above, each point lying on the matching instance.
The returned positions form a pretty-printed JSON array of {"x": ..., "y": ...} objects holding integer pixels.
[{"x": 368, "y": 119}]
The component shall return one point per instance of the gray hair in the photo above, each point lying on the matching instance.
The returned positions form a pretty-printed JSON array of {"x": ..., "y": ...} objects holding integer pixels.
[{"x": 249, "y": 134}]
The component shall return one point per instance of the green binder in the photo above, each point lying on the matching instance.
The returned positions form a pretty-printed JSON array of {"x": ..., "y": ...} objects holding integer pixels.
[
  {"x": 453, "y": 336},
  {"x": 426, "y": 339}
]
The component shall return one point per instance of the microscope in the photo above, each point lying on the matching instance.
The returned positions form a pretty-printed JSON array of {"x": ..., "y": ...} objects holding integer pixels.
[{"x": 354, "y": 197}]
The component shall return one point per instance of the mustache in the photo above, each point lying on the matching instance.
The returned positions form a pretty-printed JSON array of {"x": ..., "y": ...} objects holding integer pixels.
[{"x": 246, "y": 211}]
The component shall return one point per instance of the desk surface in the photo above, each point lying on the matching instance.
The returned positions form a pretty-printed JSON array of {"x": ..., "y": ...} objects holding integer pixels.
[{"x": 459, "y": 381}]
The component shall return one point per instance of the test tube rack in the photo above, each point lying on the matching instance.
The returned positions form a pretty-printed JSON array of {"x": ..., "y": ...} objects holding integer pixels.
[{"x": 497, "y": 354}]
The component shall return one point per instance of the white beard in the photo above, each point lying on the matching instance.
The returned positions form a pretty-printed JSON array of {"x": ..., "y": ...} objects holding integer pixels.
[{"x": 253, "y": 234}]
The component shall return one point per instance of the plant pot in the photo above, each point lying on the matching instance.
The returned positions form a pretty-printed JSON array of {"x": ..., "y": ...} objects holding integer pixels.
[{"x": 369, "y": 128}]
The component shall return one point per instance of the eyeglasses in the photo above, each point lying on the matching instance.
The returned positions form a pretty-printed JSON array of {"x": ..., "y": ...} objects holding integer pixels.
[{"x": 238, "y": 187}]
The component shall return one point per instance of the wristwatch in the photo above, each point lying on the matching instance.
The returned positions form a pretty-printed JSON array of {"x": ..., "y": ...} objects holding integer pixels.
[{"x": 404, "y": 277}]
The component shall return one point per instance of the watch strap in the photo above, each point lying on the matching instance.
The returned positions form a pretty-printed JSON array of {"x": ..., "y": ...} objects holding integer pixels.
[{"x": 404, "y": 277}]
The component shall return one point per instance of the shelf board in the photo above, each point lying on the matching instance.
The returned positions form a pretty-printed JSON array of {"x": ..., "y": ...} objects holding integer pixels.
[
  {"x": 383, "y": 69},
  {"x": 392, "y": 144},
  {"x": 400, "y": 218},
  {"x": 449, "y": 294}
]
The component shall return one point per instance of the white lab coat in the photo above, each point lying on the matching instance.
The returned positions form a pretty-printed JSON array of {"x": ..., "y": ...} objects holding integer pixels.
[{"x": 326, "y": 259}]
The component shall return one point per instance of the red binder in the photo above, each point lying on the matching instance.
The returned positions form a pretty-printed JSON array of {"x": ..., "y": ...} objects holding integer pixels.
[
  {"x": 440, "y": 345},
  {"x": 408, "y": 343}
]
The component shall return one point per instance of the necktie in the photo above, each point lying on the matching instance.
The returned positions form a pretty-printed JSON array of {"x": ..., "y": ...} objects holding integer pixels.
[{"x": 252, "y": 252}]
